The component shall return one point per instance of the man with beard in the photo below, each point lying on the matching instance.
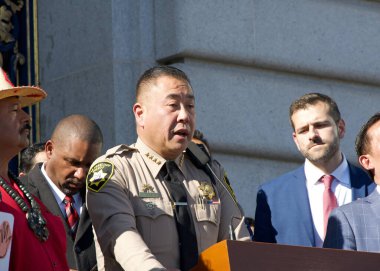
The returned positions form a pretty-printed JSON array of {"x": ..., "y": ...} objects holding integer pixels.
[
  {"x": 151, "y": 207},
  {"x": 60, "y": 184},
  {"x": 293, "y": 209}
]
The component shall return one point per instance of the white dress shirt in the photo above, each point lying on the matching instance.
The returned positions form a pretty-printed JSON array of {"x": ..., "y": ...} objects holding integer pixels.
[
  {"x": 60, "y": 196},
  {"x": 341, "y": 188}
]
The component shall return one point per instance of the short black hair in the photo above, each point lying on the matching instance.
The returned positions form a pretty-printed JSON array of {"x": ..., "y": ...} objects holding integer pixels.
[
  {"x": 27, "y": 156},
  {"x": 155, "y": 72},
  {"x": 362, "y": 142}
]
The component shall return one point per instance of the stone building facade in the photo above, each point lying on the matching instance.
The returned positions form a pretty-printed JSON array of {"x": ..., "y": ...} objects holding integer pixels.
[{"x": 247, "y": 59}]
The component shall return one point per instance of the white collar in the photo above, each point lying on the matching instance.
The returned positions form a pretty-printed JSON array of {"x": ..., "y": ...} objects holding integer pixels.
[
  {"x": 341, "y": 173},
  {"x": 58, "y": 194}
]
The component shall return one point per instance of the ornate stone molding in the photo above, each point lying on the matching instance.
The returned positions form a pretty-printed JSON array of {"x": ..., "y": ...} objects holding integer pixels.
[{"x": 10, "y": 57}]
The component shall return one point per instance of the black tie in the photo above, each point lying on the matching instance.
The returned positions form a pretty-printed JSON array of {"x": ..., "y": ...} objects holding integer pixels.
[{"x": 185, "y": 225}]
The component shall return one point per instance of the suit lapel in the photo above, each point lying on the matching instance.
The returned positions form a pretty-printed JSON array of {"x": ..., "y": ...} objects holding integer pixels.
[
  {"x": 303, "y": 203},
  {"x": 84, "y": 223},
  {"x": 40, "y": 186},
  {"x": 374, "y": 200},
  {"x": 45, "y": 194}
]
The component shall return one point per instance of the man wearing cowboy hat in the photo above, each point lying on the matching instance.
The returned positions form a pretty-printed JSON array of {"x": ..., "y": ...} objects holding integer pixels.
[{"x": 37, "y": 240}]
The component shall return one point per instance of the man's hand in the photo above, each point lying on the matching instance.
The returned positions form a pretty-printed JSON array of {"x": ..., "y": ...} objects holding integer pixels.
[{"x": 5, "y": 238}]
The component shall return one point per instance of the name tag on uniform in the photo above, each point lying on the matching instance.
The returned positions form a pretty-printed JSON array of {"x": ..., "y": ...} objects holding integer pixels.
[
  {"x": 149, "y": 195},
  {"x": 213, "y": 202},
  {"x": 148, "y": 192},
  {"x": 179, "y": 203}
]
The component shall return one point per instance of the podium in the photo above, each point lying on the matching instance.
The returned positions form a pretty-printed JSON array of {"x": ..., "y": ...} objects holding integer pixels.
[{"x": 230, "y": 255}]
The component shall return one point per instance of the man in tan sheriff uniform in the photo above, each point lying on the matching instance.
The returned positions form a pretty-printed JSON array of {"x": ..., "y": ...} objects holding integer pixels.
[{"x": 133, "y": 211}]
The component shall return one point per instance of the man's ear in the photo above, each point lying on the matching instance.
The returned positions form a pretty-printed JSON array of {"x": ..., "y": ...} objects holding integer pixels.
[
  {"x": 341, "y": 128},
  {"x": 295, "y": 140},
  {"x": 138, "y": 111},
  {"x": 49, "y": 146},
  {"x": 365, "y": 161}
]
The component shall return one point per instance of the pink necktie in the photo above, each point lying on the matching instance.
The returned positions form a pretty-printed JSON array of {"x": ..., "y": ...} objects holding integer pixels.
[{"x": 329, "y": 199}]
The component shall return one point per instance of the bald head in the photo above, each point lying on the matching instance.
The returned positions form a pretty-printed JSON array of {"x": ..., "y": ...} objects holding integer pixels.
[
  {"x": 76, "y": 142},
  {"x": 79, "y": 127}
]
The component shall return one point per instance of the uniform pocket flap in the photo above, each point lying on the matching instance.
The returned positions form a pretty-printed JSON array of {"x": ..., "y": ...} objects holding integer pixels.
[
  {"x": 207, "y": 212},
  {"x": 153, "y": 208}
]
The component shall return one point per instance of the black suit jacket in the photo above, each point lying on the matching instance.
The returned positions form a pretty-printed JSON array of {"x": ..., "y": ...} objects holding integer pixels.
[{"x": 80, "y": 253}]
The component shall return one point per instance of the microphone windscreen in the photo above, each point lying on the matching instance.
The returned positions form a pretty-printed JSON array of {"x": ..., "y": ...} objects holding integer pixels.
[{"x": 197, "y": 155}]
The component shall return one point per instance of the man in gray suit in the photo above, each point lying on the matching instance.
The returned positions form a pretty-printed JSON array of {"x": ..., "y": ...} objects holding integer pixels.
[
  {"x": 60, "y": 184},
  {"x": 356, "y": 226}
]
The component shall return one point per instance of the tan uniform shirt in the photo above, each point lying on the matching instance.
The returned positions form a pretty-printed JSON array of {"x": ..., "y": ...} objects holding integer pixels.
[{"x": 132, "y": 212}]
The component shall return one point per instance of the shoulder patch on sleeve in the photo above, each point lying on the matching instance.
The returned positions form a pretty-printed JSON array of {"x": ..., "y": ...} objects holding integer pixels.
[
  {"x": 99, "y": 175},
  {"x": 228, "y": 184}
]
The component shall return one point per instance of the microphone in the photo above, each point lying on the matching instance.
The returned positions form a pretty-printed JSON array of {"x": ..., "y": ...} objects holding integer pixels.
[
  {"x": 248, "y": 225},
  {"x": 201, "y": 160},
  {"x": 198, "y": 157},
  {"x": 231, "y": 232}
]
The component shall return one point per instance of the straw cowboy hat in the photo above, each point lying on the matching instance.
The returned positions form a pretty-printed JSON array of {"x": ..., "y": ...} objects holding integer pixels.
[{"x": 28, "y": 94}]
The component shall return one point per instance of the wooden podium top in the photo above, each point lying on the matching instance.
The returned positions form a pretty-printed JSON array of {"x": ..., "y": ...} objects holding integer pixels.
[{"x": 237, "y": 255}]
